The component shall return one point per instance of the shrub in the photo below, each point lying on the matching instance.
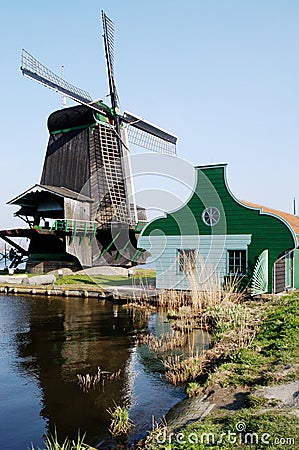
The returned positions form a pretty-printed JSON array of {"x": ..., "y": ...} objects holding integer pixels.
[{"x": 120, "y": 422}]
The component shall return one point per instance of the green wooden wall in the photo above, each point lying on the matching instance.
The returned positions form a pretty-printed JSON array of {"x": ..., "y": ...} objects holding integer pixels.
[
  {"x": 296, "y": 269},
  {"x": 268, "y": 231}
]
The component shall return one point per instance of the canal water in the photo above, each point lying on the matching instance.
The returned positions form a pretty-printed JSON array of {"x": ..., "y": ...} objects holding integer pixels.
[{"x": 46, "y": 341}]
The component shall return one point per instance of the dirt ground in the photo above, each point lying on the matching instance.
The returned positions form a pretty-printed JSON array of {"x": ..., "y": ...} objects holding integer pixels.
[{"x": 229, "y": 398}]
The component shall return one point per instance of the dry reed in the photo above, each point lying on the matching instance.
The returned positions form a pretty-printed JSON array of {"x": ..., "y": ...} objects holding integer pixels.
[
  {"x": 164, "y": 342},
  {"x": 180, "y": 370},
  {"x": 209, "y": 304},
  {"x": 87, "y": 382}
]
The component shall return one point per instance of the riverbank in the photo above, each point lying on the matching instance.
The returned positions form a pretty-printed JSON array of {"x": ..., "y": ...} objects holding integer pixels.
[
  {"x": 248, "y": 392},
  {"x": 246, "y": 384},
  {"x": 103, "y": 283},
  {"x": 50, "y": 344}
]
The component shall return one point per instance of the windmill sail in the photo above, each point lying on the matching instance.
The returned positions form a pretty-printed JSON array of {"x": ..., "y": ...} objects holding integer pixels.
[
  {"x": 145, "y": 134},
  {"x": 107, "y": 144},
  {"x": 33, "y": 69},
  {"x": 140, "y": 132},
  {"x": 86, "y": 181},
  {"x": 109, "y": 39}
]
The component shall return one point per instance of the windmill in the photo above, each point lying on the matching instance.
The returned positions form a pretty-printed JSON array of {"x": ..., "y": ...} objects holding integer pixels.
[{"x": 86, "y": 175}]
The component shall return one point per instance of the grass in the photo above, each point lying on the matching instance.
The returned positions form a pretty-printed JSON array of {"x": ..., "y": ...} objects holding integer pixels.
[
  {"x": 120, "y": 422},
  {"x": 273, "y": 354},
  {"x": 279, "y": 334},
  {"x": 193, "y": 389},
  {"x": 227, "y": 317},
  {"x": 94, "y": 280},
  {"x": 52, "y": 443},
  {"x": 107, "y": 280},
  {"x": 255, "y": 342},
  {"x": 205, "y": 306},
  {"x": 245, "y": 429}
]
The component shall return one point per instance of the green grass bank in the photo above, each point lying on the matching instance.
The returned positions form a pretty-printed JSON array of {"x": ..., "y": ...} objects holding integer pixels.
[{"x": 254, "y": 354}]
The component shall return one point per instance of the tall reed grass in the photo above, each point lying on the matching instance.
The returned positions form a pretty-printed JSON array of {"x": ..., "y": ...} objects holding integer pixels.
[
  {"x": 209, "y": 304},
  {"x": 87, "y": 381}
]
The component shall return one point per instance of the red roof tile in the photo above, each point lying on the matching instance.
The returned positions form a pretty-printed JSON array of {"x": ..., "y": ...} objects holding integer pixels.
[{"x": 292, "y": 220}]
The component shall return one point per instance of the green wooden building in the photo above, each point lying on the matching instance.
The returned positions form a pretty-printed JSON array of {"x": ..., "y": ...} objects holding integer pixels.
[{"x": 214, "y": 236}]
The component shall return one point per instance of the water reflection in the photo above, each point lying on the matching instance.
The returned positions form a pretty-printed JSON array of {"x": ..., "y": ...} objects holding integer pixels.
[
  {"x": 45, "y": 342},
  {"x": 73, "y": 336}
]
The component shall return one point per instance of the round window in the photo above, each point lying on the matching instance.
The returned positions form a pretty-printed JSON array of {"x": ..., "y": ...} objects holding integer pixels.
[{"x": 211, "y": 216}]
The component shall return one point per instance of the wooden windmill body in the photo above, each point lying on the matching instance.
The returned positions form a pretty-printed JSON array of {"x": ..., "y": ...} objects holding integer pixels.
[{"x": 83, "y": 212}]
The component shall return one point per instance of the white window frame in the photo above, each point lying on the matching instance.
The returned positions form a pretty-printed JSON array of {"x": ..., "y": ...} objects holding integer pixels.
[{"x": 237, "y": 272}]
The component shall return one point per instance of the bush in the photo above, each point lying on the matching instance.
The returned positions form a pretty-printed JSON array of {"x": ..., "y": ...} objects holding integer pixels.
[{"x": 193, "y": 389}]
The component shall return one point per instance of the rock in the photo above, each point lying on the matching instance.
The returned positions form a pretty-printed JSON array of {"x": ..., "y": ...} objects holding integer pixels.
[
  {"x": 287, "y": 394},
  {"x": 187, "y": 411},
  {"x": 40, "y": 279},
  {"x": 13, "y": 279},
  {"x": 103, "y": 270}
]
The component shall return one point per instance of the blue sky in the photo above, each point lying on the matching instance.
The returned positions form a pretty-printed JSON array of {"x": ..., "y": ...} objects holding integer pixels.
[{"x": 220, "y": 74}]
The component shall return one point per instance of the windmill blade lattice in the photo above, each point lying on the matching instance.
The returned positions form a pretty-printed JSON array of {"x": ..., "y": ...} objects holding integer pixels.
[
  {"x": 109, "y": 39},
  {"x": 32, "y": 68},
  {"x": 111, "y": 150},
  {"x": 149, "y": 136}
]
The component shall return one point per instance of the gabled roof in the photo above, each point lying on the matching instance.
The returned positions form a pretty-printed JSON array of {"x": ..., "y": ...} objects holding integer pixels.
[
  {"x": 292, "y": 220},
  {"x": 60, "y": 191}
]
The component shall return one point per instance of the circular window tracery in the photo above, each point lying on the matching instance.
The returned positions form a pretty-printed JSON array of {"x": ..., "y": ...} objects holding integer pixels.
[{"x": 211, "y": 216}]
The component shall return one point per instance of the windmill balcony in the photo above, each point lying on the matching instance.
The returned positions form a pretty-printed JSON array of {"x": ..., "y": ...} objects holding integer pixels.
[{"x": 74, "y": 226}]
